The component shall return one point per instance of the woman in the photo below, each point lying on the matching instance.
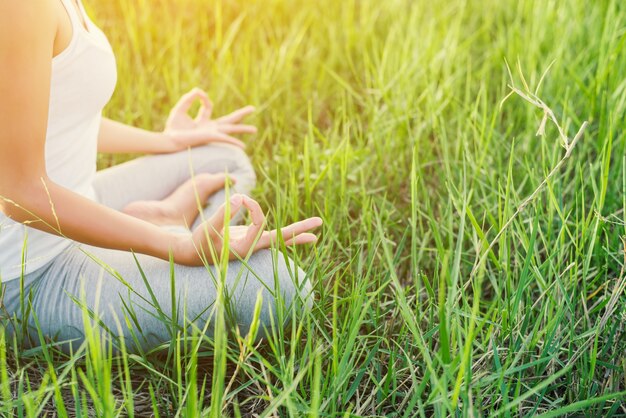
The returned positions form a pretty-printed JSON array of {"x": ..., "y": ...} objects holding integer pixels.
[{"x": 73, "y": 237}]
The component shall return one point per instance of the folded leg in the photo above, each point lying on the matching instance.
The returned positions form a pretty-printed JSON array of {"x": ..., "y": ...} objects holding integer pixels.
[
  {"x": 146, "y": 303},
  {"x": 156, "y": 177}
]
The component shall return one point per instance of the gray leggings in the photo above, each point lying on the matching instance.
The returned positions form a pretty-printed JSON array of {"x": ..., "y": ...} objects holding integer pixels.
[{"x": 140, "y": 297}]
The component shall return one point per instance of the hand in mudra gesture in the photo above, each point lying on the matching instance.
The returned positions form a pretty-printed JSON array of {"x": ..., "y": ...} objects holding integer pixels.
[
  {"x": 185, "y": 131},
  {"x": 243, "y": 240}
]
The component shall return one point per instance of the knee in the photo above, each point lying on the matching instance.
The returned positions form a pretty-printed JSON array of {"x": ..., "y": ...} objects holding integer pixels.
[
  {"x": 236, "y": 158},
  {"x": 241, "y": 168},
  {"x": 228, "y": 158},
  {"x": 295, "y": 286},
  {"x": 286, "y": 291}
]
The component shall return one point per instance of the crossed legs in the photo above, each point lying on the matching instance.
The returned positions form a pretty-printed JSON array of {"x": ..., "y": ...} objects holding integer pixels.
[{"x": 114, "y": 284}]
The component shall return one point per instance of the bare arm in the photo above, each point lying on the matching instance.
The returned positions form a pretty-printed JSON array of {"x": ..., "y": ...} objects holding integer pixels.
[
  {"x": 116, "y": 137},
  {"x": 181, "y": 130}
]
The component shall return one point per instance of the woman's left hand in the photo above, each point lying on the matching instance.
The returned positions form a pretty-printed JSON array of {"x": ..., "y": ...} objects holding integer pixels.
[{"x": 184, "y": 131}]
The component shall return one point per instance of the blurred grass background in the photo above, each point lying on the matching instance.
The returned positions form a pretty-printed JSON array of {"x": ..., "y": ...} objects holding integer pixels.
[{"x": 386, "y": 119}]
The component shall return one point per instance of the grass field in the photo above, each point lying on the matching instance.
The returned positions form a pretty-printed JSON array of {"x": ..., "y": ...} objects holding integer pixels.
[{"x": 467, "y": 265}]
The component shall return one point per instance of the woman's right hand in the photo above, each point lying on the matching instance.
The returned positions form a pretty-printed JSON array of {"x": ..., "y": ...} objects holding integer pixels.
[{"x": 208, "y": 238}]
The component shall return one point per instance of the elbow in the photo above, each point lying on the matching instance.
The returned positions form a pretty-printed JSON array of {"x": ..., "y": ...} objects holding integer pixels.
[
  {"x": 19, "y": 197},
  {"x": 13, "y": 209}
]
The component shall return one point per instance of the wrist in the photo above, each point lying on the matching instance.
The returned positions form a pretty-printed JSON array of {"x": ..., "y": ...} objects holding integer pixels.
[
  {"x": 164, "y": 244},
  {"x": 184, "y": 250},
  {"x": 169, "y": 142},
  {"x": 180, "y": 246}
]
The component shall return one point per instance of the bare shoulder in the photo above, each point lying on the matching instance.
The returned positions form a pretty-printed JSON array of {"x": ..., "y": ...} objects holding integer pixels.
[{"x": 25, "y": 21}]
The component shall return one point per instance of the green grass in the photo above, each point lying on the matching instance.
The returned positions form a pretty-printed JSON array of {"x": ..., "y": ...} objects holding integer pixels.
[{"x": 386, "y": 118}]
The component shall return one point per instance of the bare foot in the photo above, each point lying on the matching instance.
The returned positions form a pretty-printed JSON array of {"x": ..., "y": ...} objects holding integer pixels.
[{"x": 183, "y": 205}]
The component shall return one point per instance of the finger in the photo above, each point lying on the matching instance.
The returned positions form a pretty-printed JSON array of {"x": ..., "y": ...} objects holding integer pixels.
[
  {"x": 305, "y": 238},
  {"x": 229, "y": 128},
  {"x": 187, "y": 100},
  {"x": 195, "y": 138},
  {"x": 221, "y": 137},
  {"x": 258, "y": 220},
  {"x": 291, "y": 231},
  {"x": 217, "y": 220},
  {"x": 206, "y": 110},
  {"x": 266, "y": 240},
  {"x": 237, "y": 115},
  {"x": 300, "y": 227},
  {"x": 202, "y": 138}
]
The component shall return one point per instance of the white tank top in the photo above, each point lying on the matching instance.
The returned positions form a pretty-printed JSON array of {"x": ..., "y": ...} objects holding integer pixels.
[{"x": 83, "y": 79}]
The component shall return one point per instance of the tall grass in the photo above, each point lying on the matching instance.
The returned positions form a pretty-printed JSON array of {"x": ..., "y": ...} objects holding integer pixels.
[{"x": 435, "y": 296}]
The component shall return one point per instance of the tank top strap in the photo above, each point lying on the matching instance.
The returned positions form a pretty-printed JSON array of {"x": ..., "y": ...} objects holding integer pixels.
[{"x": 76, "y": 14}]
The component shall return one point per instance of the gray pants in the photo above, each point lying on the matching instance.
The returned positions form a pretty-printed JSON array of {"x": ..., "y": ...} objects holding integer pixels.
[{"x": 144, "y": 299}]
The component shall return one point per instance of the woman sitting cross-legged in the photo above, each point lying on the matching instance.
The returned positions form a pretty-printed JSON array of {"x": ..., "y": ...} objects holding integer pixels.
[{"x": 74, "y": 240}]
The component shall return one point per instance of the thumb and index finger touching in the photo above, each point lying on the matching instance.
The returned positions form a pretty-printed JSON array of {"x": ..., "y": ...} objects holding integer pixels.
[
  {"x": 206, "y": 110},
  {"x": 296, "y": 233},
  {"x": 188, "y": 99}
]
